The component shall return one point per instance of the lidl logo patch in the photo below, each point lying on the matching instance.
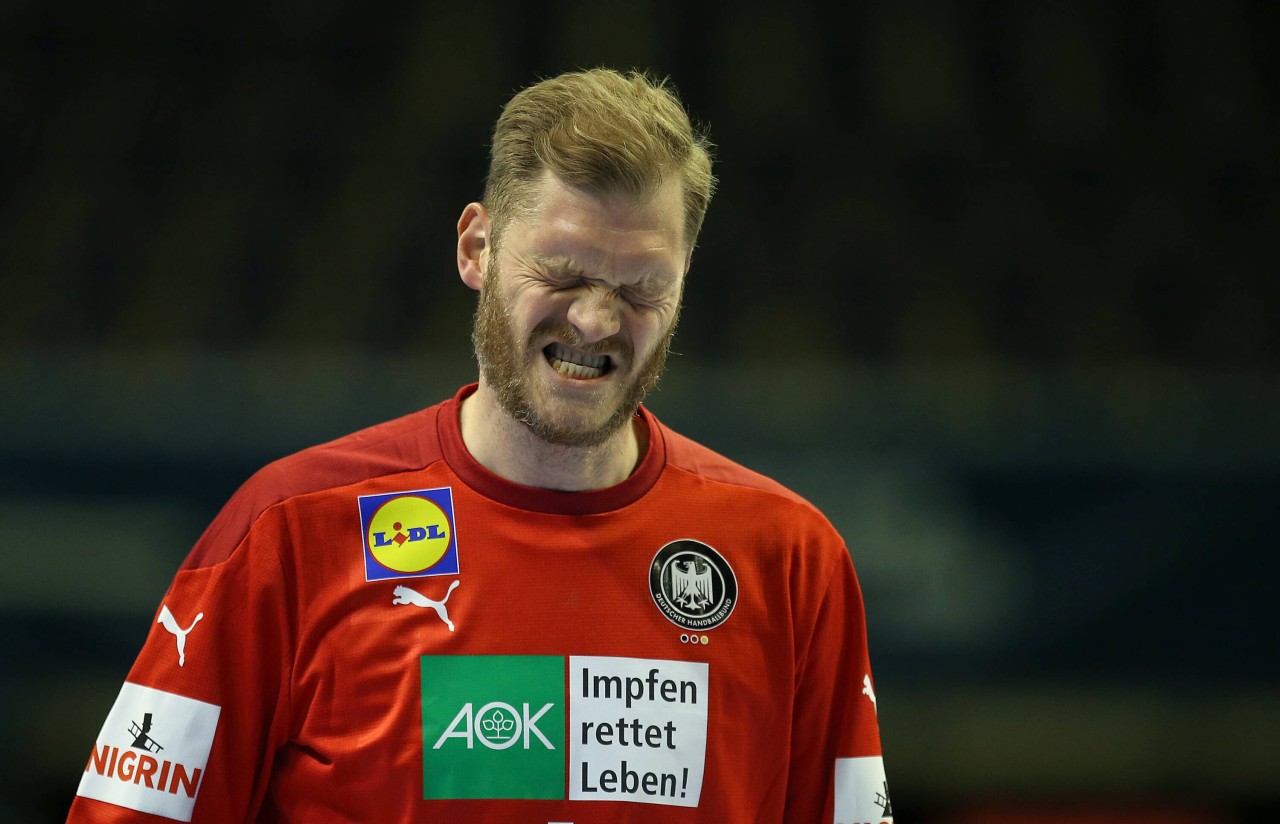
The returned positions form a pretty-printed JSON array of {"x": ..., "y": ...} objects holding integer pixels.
[
  {"x": 408, "y": 534},
  {"x": 626, "y": 729}
]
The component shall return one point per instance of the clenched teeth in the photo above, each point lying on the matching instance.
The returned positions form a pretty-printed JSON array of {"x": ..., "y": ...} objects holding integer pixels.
[{"x": 574, "y": 364}]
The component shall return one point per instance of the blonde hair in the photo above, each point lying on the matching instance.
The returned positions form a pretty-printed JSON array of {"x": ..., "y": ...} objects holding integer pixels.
[{"x": 601, "y": 130}]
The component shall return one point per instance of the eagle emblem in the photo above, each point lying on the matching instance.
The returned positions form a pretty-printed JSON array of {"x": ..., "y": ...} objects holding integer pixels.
[{"x": 691, "y": 584}]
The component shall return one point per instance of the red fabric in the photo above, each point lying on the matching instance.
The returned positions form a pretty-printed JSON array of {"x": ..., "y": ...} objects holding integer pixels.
[{"x": 317, "y": 673}]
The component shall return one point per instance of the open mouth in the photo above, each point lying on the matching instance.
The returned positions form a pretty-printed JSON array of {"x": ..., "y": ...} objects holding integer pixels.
[{"x": 574, "y": 364}]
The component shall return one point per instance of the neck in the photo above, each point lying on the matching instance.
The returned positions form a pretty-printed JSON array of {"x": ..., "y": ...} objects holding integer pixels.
[{"x": 507, "y": 448}]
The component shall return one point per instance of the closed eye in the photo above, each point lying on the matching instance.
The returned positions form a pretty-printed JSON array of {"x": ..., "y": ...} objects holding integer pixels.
[
  {"x": 563, "y": 278},
  {"x": 563, "y": 283},
  {"x": 638, "y": 300}
]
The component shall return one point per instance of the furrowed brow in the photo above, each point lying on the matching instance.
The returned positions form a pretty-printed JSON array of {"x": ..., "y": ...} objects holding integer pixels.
[{"x": 559, "y": 265}]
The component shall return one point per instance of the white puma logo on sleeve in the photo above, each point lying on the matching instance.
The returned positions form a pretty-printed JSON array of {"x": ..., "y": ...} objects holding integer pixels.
[
  {"x": 404, "y": 595},
  {"x": 171, "y": 624}
]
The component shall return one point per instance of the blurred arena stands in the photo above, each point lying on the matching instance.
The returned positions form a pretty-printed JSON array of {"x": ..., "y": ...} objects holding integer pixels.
[{"x": 992, "y": 283}]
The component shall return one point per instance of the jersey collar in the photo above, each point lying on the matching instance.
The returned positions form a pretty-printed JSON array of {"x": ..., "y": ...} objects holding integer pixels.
[{"x": 499, "y": 489}]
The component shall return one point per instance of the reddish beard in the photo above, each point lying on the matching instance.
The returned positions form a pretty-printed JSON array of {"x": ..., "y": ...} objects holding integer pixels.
[{"x": 508, "y": 366}]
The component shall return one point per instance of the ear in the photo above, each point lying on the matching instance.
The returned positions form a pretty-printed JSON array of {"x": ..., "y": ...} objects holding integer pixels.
[{"x": 473, "y": 244}]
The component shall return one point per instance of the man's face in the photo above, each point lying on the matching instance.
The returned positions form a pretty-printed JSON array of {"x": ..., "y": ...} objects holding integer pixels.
[{"x": 578, "y": 308}]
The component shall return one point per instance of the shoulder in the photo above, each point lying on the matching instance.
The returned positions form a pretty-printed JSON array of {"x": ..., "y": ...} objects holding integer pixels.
[
  {"x": 687, "y": 455},
  {"x": 406, "y": 443},
  {"x": 784, "y": 530}
]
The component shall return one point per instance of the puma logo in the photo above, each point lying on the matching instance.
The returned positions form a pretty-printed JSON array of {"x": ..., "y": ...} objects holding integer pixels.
[
  {"x": 171, "y": 624},
  {"x": 869, "y": 692},
  {"x": 404, "y": 595}
]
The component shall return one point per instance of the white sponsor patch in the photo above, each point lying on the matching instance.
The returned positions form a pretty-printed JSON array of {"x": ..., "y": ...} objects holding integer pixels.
[
  {"x": 862, "y": 794},
  {"x": 637, "y": 730},
  {"x": 152, "y": 752}
]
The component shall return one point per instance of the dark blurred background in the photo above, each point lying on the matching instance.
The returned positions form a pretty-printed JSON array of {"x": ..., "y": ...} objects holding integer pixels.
[{"x": 990, "y": 282}]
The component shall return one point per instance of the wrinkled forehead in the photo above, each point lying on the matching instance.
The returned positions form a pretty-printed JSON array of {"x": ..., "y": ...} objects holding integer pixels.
[
  {"x": 658, "y": 210},
  {"x": 549, "y": 194}
]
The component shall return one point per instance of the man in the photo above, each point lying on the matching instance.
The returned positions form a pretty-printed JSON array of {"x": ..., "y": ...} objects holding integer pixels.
[{"x": 531, "y": 602}]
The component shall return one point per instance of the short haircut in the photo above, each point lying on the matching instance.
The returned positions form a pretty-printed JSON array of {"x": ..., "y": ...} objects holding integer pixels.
[{"x": 601, "y": 130}]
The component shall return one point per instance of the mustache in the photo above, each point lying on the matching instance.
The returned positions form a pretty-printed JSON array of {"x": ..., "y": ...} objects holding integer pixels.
[{"x": 566, "y": 334}]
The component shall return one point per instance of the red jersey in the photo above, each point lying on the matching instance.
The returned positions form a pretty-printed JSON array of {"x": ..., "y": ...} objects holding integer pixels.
[{"x": 380, "y": 629}]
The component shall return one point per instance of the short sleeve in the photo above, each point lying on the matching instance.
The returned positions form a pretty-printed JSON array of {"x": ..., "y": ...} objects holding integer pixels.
[
  {"x": 192, "y": 734},
  {"x": 836, "y": 766}
]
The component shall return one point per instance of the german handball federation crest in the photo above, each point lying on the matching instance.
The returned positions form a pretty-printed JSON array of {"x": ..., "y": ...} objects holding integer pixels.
[{"x": 692, "y": 585}]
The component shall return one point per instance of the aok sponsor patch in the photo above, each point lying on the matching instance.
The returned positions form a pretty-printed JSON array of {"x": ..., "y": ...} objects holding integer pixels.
[
  {"x": 862, "y": 793},
  {"x": 152, "y": 752},
  {"x": 497, "y": 727},
  {"x": 492, "y": 726},
  {"x": 408, "y": 534}
]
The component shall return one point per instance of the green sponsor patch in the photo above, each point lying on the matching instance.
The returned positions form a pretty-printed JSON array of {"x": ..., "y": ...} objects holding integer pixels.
[{"x": 493, "y": 726}]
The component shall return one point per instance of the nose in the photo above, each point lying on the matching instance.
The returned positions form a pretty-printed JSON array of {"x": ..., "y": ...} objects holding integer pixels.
[{"x": 595, "y": 314}]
